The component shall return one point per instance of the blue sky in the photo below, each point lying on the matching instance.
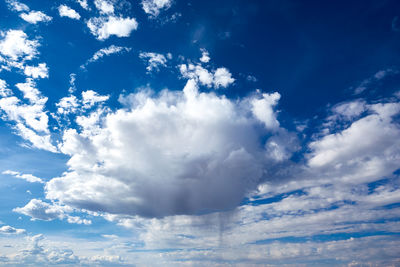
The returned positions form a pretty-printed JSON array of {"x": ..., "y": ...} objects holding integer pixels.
[{"x": 200, "y": 133}]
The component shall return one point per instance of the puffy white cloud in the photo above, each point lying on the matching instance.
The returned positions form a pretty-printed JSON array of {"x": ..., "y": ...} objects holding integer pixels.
[
  {"x": 153, "y": 7},
  {"x": 67, "y": 105},
  {"x": 104, "y": 6},
  {"x": 366, "y": 150},
  {"x": 112, "y": 49},
  {"x": 71, "y": 104},
  {"x": 66, "y": 11},
  {"x": 197, "y": 72},
  {"x": 30, "y": 92},
  {"x": 31, "y": 121},
  {"x": 15, "y": 45},
  {"x": 205, "y": 56},
  {"x": 6, "y": 229},
  {"x": 103, "y": 27},
  {"x": 154, "y": 60},
  {"x": 162, "y": 156},
  {"x": 32, "y": 115},
  {"x": 14, "y": 5},
  {"x": 83, "y": 4},
  {"x": 263, "y": 109},
  {"x": 40, "y": 141},
  {"x": 90, "y": 98},
  {"x": 39, "y": 210},
  {"x": 35, "y": 17},
  {"x": 38, "y": 250},
  {"x": 221, "y": 77},
  {"x": 27, "y": 177},
  {"x": 56, "y": 250},
  {"x": 40, "y": 71},
  {"x": 4, "y": 91}
]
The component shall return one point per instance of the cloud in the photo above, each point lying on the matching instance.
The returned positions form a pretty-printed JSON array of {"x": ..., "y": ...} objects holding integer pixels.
[
  {"x": 71, "y": 104},
  {"x": 220, "y": 78},
  {"x": 153, "y": 7},
  {"x": 35, "y": 72},
  {"x": 161, "y": 156},
  {"x": 30, "y": 92},
  {"x": 112, "y": 49},
  {"x": 83, "y": 4},
  {"x": 104, "y": 6},
  {"x": 263, "y": 109},
  {"x": 205, "y": 56},
  {"x": 27, "y": 177},
  {"x": 155, "y": 61},
  {"x": 31, "y": 121},
  {"x": 34, "y": 17},
  {"x": 365, "y": 84},
  {"x": 15, "y": 45},
  {"x": 67, "y": 105},
  {"x": 39, "y": 210},
  {"x": 66, "y": 11},
  {"x": 39, "y": 251},
  {"x": 365, "y": 151},
  {"x": 251, "y": 78},
  {"x": 350, "y": 110},
  {"x": 90, "y": 98},
  {"x": 6, "y": 229},
  {"x": 103, "y": 27},
  {"x": 4, "y": 91},
  {"x": 17, "y": 6}
]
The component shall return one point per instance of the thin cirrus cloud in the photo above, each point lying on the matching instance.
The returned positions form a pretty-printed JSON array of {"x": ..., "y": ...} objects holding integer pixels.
[{"x": 107, "y": 51}]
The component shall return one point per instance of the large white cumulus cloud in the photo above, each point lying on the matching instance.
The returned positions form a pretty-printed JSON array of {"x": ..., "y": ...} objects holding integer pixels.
[{"x": 181, "y": 152}]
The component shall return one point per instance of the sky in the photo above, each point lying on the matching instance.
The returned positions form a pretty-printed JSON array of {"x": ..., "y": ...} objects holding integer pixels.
[{"x": 199, "y": 133}]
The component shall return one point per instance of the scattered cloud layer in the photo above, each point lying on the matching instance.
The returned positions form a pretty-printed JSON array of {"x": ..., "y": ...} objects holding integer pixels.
[{"x": 191, "y": 175}]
